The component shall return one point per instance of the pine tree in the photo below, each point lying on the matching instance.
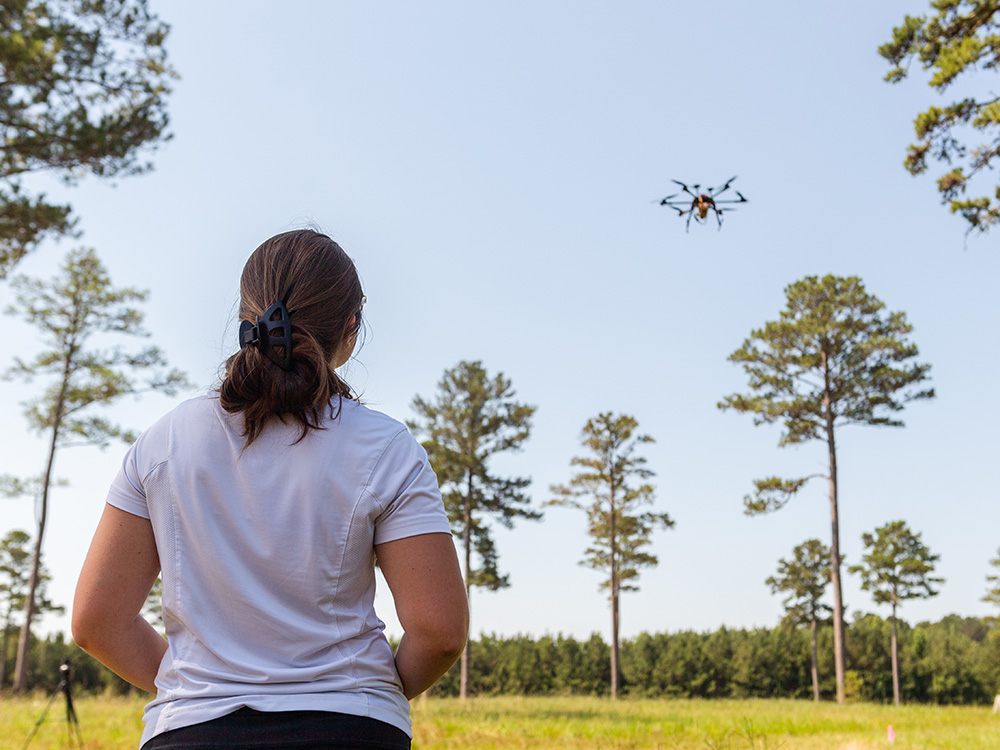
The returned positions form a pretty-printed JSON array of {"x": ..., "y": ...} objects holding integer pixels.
[
  {"x": 961, "y": 35},
  {"x": 834, "y": 357},
  {"x": 472, "y": 418},
  {"x": 804, "y": 578},
  {"x": 15, "y": 565},
  {"x": 993, "y": 593},
  {"x": 613, "y": 482},
  {"x": 68, "y": 311},
  {"x": 896, "y": 567},
  {"x": 83, "y": 89}
]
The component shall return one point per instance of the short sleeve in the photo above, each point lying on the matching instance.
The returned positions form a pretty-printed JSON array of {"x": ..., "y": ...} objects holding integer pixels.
[
  {"x": 407, "y": 490},
  {"x": 126, "y": 492}
]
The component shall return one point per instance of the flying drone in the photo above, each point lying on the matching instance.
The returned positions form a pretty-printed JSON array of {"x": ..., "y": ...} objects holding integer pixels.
[{"x": 699, "y": 204}]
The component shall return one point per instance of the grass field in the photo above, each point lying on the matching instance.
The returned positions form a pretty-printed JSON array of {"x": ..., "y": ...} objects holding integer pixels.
[{"x": 548, "y": 723}]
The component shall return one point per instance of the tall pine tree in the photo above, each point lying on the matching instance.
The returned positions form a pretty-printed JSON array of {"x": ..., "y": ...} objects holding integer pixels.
[
  {"x": 612, "y": 483},
  {"x": 804, "y": 579},
  {"x": 896, "y": 566},
  {"x": 472, "y": 418},
  {"x": 68, "y": 311},
  {"x": 834, "y": 357}
]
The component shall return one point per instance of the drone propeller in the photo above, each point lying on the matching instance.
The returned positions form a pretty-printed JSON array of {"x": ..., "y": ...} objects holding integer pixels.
[
  {"x": 687, "y": 189},
  {"x": 723, "y": 188},
  {"x": 741, "y": 199}
]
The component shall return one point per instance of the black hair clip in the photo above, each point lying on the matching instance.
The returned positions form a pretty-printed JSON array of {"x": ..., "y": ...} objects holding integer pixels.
[{"x": 271, "y": 333}]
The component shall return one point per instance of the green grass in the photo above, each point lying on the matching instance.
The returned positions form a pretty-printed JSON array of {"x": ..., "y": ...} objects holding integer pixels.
[
  {"x": 591, "y": 723},
  {"x": 543, "y": 723}
]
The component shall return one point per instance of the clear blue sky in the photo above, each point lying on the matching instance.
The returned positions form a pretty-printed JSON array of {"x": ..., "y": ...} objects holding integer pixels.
[{"x": 494, "y": 170}]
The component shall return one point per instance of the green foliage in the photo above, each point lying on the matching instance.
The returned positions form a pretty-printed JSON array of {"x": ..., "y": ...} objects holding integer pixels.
[
  {"x": 15, "y": 572},
  {"x": 15, "y": 568},
  {"x": 152, "y": 608},
  {"x": 472, "y": 418},
  {"x": 954, "y": 661},
  {"x": 619, "y": 533},
  {"x": 773, "y": 493},
  {"x": 897, "y": 565},
  {"x": 804, "y": 578},
  {"x": 959, "y": 36},
  {"x": 521, "y": 665},
  {"x": 69, "y": 310},
  {"x": 870, "y": 658},
  {"x": 993, "y": 593},
  {"x": 832, "y": 342},
  {"x": 83, "y": 89},
  {"x": 833, "y": 357},
  {"x": 88, "y": 674}
]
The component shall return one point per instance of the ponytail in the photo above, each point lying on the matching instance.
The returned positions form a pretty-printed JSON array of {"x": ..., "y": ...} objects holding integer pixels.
[{"x": 292, "y": 377}]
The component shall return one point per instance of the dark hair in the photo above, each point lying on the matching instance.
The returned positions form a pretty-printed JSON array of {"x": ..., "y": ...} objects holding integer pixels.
[{"x": 319, "y": 285}]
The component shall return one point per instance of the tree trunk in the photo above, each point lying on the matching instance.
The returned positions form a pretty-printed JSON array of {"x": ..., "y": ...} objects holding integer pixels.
[
  {"x": 614, "y": 644},
  {"x": 815, "y": 665},
  {"x": 614, "y": 594},
  {"x": 21, "y": 668},
  {"x": 839, "y": 653},
  {"x": 463, "y": 685},
  {"x": 895, "y": 657},
  {"x": 3, "y": 649}
]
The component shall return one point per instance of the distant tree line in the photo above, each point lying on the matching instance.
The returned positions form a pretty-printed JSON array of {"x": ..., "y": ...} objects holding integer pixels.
[
  {"x": 47, "y": 654},
  {"x": 953, "y": 661}
]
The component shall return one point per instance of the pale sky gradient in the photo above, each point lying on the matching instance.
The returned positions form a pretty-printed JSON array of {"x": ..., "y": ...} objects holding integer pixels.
[{"x": 494, "y": 169}]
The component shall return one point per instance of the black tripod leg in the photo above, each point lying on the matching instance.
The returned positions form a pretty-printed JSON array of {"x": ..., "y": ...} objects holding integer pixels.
[
  {"x": 41, "y": 718},
  {"x": 72, "y": 723}
]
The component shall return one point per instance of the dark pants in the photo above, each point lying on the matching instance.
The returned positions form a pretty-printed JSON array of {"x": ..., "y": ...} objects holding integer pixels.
[{"x": 295, "y": 730}]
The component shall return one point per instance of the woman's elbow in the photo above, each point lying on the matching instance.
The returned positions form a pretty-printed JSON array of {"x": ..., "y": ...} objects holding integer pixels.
[
  {"x": 89, "y": 624},
  {"x": 446, "y": 636},
  {"x": 451, "y": 641},
  {"x": 457, "y": 634},
  {"x": 83, "y": 629}
]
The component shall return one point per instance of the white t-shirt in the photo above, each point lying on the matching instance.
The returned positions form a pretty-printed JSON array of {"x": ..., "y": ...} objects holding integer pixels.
[{"x": 267, "y": 559}]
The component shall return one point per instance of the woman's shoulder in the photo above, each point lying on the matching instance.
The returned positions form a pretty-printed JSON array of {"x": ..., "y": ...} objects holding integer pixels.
[
  {"x": 202, "y": 406},
  {"x": 377, "y": 431},
  {"x": 357, "y": 414},
  {"x": 188, "y": 414}
]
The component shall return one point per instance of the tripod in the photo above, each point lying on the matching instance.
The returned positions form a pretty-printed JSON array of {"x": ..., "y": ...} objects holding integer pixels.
[{"x": 72, "y": 723}]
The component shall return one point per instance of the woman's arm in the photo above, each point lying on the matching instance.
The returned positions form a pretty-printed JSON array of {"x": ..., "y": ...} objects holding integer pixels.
[
  {"x": 427, "y": 587},
  {"x": 119, "y": 572}
]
